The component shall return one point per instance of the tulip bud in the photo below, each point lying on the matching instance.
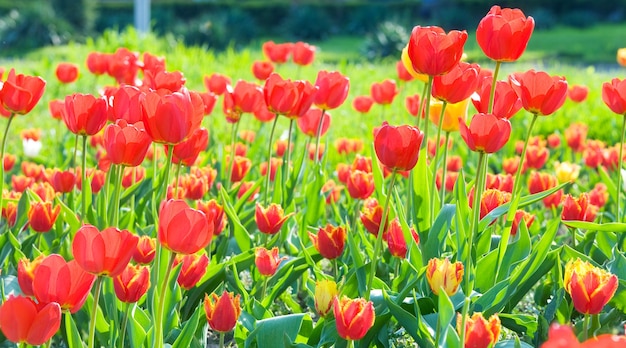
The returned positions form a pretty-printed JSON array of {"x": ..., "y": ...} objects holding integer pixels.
[
  {"x": 222, "y": 311},
  {"x": 441, "y": 274},
  {"x": 325, "y": 292},
  {"x": 270, "y": 220},
  {"x": 132, "y": 283},
  {"x": 353, "y": 317}
]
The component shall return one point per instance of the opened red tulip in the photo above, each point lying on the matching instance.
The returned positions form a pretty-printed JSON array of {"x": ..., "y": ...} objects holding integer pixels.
[
  {"x": 170, "y": 118},
  {"x": 123, "y": 65},
  {"x": 126, "y": 144},
  {"x": 182, "y": 229},
  {"x": 398, "y": 147},
  {"x": 24, "y": 321},
  {"x": 132, "y": 283},
  {"x": 456, "y": 85},
  {"x": 480, "y": 332},
  {"x": 540, "y": 93},
  {"x": 578, "y": 209},
  {"x": 590, "y": 287},
  {"x": 329, "y": 241},
  {"x": 363, "y": 103},
  {"x": 332, "y": 89},
  {"x": 353, "y": 318},
  {"x": 302, "y": 53},
  {"x": 103, "y": 253},
  {"x": 65, "y": 283},
  {"x": 222, "y": 311},
  {"x": 503, "y": 33},
  {"x": 193, "y": 268},
  {"x": 290, "y": 98},
  {"x": 187, "y": 152},
  {"x": 125, "y": 104},
  {"x": 20, "y": 93},
  {"x": 486, "y": 133},
  {"x": 26, "y": 274},
  {"x": 85, "y": 114},
  {"x": 217, "y": 83},
  {"x": 433, "y": 52},
  {"x": 42, "y": 216},
  {"x": 267, "y": 261},
  {"x": 67, "y": 72},
  {"x": 384, "y": 92},
  {"x": 442, "y": 274},
  {"x": 614, "y": 95}
]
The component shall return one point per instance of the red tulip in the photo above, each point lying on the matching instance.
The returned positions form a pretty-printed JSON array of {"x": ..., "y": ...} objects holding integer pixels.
[
  {"x": 536, "y": 156},
  {"x": 398, "y": 147},
  {"x": 486, "y": 133},
  {"x": 271, "y": 219},
  {"x": 277, "y": 53},
  {"x": 65, "y": 283},
  {"x": 20, "y": 93},
  {"x": 193, "y": 268},
  {"x": 126, "y": 144},
  {"x": 85, "y": 114},
  {"x": 98, "y": 63},
  {"x": 222, "y": 311},
  {"x": 123, "y": 65},
  {"x": 503, "y": 34},
  {"x": 153, "y": 63},
  {"x": 217, "y": 83},
  {"x": 506, "y": 101},
  {"x": 171, "y": 81},
  {"x": 24, "y": 321},
  {"x": 540, "y": 93},
  {"x": 262, "y": 70},
  {"x": 215, "y": 215},
  {"x": 458, "y": 84},
  {"x": 395, "y": 239},
  {"x": 614, "y": 95},
  {"x": 187, "y": 152},
  {"x": 132, "y": 283},
  {"x": 241, "y": 167},
  {"x": 599, "y": 195},
  {"x": 433, "y": 52},
  {"x": 302, "y": 53},
  {"x": 384, "y": 92},
  {"x": 590, "y": 287},
  {"x": 353, "y": 318},
  {"x": 56, "y": 108},
  {"x": 561, "y": 336},
  {"x": 245, "y": 98},
  {"x": 26, "y": 274},
  {"x": 403, "y": 74},
  {"x": 267, "y": 261},
  {"x": 182, "y": 229},
  {"x": 412, "y": 104},
  {"x": 360, "y": 184},
  {"x": 103, "y": 253},
  {"x": 290, "y": 98},
  {"x": 480, "y": 332},
  {"x": 310, "y": 121},
  {"x": 332, "y": 90},
  {"x": 208, "y": 100},
  {"x": 363, "y": 103},
  {"x": 145, "y": 251},
  {"x": 171, "y": 118},
  {"x": 576, "y": 136},
  {"x": 125, "y": 104},
  {"x": 67, "y": 72},
  {"x": 329, "y": 241},
  {"x": 578, "y": 209},
  {"x": 42, "y": 216},
  {"x": 578, "y": 93},
  {"x": 521, "y": 217}
]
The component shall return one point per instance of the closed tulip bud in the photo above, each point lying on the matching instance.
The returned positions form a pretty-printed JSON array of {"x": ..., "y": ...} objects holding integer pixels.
[
  {"x": 145, "y": 251},
  {"x": 222, "y": 311},
  {"x": 433, "y": 52},
  {"x": 193, "y": 268},
  {"x": 215, "y": 215},
  {"x": 554, "y": 141},
  {"x": 398, "y": 147},
  {"x": 103, "y": 253},
  {"x": 521, "y": 217},
  {"x": 577, "y": 93},
  {"x": 42, "y": 216},
  {"x": 241, "y": 167},
  {"x": 277, "y": 53},
  {"x": 412, "y": 104},
  {"x": 384, "y": 92},
  {"x": 262, "y": 70},
  {"x": 590, "y": 287},
  {"x": 441, "y": 274},
  {"x": 363, "y": 103},
  {"x": 302, "y": 53},
  {"x": 67, "y": 72},
  {"x": 541, "y": 94},
  {"x": 132, "y": 283},
  {"x": 217, "y": 83},
  {"x": 371, "y": 216},
  {"x": 98, "y": 63},
  {"x": 614, "y": 95},
  {"x": 309, "y": 123},
  {"x": 62, "y": 181},
  {"x": 566, "y": 172},
  {"x": 271, "y": 219},
  {"x": 182, "y": 111},
  {"x": 325, "y": 293},
  {"x": 480, "y": 332},
  {"x": 332, "y": 89},
  {"x": 24, "y": 321},
  {"x": 503, "y": 33},
  {"x": 329, "y": 241},
  {"x": 360, "y": 184},
  {"x": 182, "y": 229},
  {"x": 20, "y": 93},
  {"x": 506, "y": 102},
  {"x": 85, "y": 114},
  {"x": 395, "y": 239},
  {"x": 486, "y": 133},
  {"x": 536, "y": 156},
  {"x": 353, "y": 318},
  {"x": 126, "y": 144},
  {"x": 26, "y": 274},
  {"x": 267, "y": 261},
  {"x": 599, "y": 195}
]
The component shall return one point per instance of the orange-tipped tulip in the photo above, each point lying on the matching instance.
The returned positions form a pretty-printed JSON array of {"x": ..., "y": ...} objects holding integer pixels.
[
  {"x": 590, "y": 287},
  {"x": 132, "y": 283},
  {"x": 193, "y": 268},
  {"x": 329, "y": 241},
  {"x": 42, "y": 216},
  {"x": 222, "y": 311},
  {"x": 267, "y": 261},
  {"x": 271, "y": 219},
  {"x": 26, "y": 274},
  {"x": 480, "y": 332},
  {"x": 353, "y": 317}
]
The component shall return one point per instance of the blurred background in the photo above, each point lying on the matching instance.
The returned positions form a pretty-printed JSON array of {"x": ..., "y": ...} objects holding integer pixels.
[{"x": 366, "y": 29}]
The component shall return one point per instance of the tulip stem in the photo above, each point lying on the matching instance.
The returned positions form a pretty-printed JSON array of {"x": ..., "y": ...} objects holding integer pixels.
[
  {"x": 83, "y": 191},
  {"x": 619, "y": 170},
  {"x": 379, "y": 237},
  {"x": 427, "y": 111},
  {"x": 573, "y": 232},
  {"x": 233, "y": 137},
  {"x": 175, "y": 193},
  {"x": 444, "y": 170},
  {"x": 73, "y": 164},
  {"x": 269, "y": 162},
  {"x": 515, "y": 197},
  {"x": 124, "y": 324},
  {"x": 433, "y": 185},
  {"x": 318, "y": 136},
  {"x": 222, "y": 334},
  {"x": 166, "y": 175},
  {"x": 492, "y": 92},
  {"x": 158, "y": 330},
  {"x": 586, "y": 324},
  {"x": 265, "y": 279},
  {"x": 422, "y": 103},
  {"x": 350, "y": 344},
  {"x": 466, "y": 304},
  {"x": 119, "y": 172},
  {"x": 4, "y": 144},
  {"x": 94, "y": 311},
  {"x": 288, "y": 156}
]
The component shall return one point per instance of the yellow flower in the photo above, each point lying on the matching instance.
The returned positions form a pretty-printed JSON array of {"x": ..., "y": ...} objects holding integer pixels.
[
  {"x": 441, "y": 274},
  {"x": 621, "y": 56},
  {"x": 566, "y": 172},
  {"x": 409, "y": 66},
  {"x": 325, "y": 292},
  {"x": 451, "y": 116}
]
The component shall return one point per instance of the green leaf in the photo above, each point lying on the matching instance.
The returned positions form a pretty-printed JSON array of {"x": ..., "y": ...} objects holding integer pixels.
[
  {"x": 139, "y": 324},
  {"x": 265, "y": 333},
  {"x": 421, "y": 194},
  {"x": 241, "y": 235},
  {"x": 616, "y": 227},
  {"x": 609, "y": 182},
  {"x": 69, "y": 216},
  {"x": 73, "y": 336},
  {"x": 414, "y": 325},
  {"x": 523, "y": 324},
  {"x": 446, "y": 315},
  {"x": 189, "y": 329},
  {"x": 435, "y": 245}
]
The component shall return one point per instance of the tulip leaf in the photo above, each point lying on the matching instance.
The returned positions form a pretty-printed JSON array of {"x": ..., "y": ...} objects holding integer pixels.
[
  {"x": 421, "y": 195},
  {"x": 523, "y": 324},
  {"x": 461, "y": 217},
  {"x": 187, "y": 333},
  {"x": 616, "y": 227},
  {"x": 137, "y": 327},
  {"x": 435, "y": 244},
  {"x": 69, "y": 216},
  {"x": 73, "y": 335},
  {"x": 414, "y": 326},
  {"x": 264, "y": 335},
  {"x": 445, "y": 316},
  {"x": 611, "y": 187},
  {"x": 241, "y": 235},
  {"x": 511, "y": 344}
]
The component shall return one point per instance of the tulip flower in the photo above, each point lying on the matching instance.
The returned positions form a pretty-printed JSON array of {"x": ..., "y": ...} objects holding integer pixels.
[
  {"x": 576, "y": 136},
  {"x": 65, "y": 283},
  {"x": 125, "y": 104},
  {"x": 522, "y": 217},
  {"x": 286, "y": 97},
  {"x": 325, "y": 293},
  {"x": 267, "y": 261},
  {"x": 302, "y": 53},
  {"x": 215, "y": 215},
  {"x": 578, "y": 209},
  {"x": 506, "y": 102},
  {"x": 123, "y": 65},
  {"x": 126, "y": 144},
  {"x": 42, "y": 216},
  {"x": 452, "y": 115},
  {"x": 621, "y": 56},
  {"x": 590, "y": 287},
  {"x": 85, "y": 114},
  {"x": 208, "y": 100},
  {"x": 217, "y": 83},
  {"x": 222, "y": 311},
  {"x": 187, "y": 152},
  {"x": 541, "y": 94},
  {"x": 384, "y": 92},
  {"x": 353, "y": 318},
  {"x": 433, "y": 52},
  {"x": 145, "y": 251},
  {"x": 599, "y": 195},
  {"x": 360, "y": 184},
  {"x": 66, "y": 72},
  {"x": 486, "y": 133},
  {"x": 403, "y": 73},
  {"x": 332, "y": 89},
  {"x": 578, "y": 93},
  {"x": 503, "y": 34},
  {"x": 271, "y": 219},
  {"x": 182, "y": 229},
  {"x": 24, "y": 321},
  {"x": 181, "y": 111},
  {"x": 277, "y": 53},
  {"x": 262, "y": 70},
  {"x": 20, "y": 93},
  {"x": 193, "y": 268},
  {"x": 165, "y": 80},
  {"x": 26, "y": 274},
  {"x": 98, "y": 63},
  {"x": 536, "y": 156},
  {"x": 103, "y": 253},
  {"x": 395, "y": 239},
  {"x": 566, "y": 172},
  {"x": 363, "y": 103},
  {"x": 330, "y": 241},
  {"x": 398, "y": 147},
  {"x": 441, "y": 274},
  {"x": 480, "y": 332},
  {"x": 314, "y": 120},
  {"x": 132, "y": 283},
  {"x": 456, "y": 85},
  {"x": 371, "y": 216},
  {"x": 561, "y": 336}
]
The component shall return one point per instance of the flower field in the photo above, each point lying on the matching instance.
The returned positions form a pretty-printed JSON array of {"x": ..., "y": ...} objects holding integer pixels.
[{"x": 161, "y": 195}]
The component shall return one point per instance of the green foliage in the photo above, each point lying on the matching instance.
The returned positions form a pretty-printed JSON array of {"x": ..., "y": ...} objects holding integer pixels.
[
  {"x": 387, "y": 41},
  {"x": 308, "y": 23}
]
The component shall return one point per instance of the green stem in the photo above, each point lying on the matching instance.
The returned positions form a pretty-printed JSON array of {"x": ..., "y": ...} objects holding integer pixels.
[
  {"x": 158, "y": 331},
  {"x": 83, "y": 192},
  {"x": 445, "y": 170},
  {"x": 124, "y": 324},
  {"x": 350, "y": 344},
  {"x": 478, "y": 191},
  {"x": 269, "y": 162},
  {"x": 119, "y": 170},
  {"x": 233, "y": 137},
  {"x": 573, "y": 232},
  {"x": 422, "y": 103},
  {"x": 287, "y": 162},
  {"x": 166, "y": 175},
  {"x": 466, "y": 304},
  {"x": 492, "y": 93},
  {"x": 2, "y": 151},
  {"x": 175, "y": 195},
  {"x": 438, "y": 327},
  {"x": 427, "y": 111},
  {"x": 379, "y": 237},
  {"x": 318, "y": 136},
  {"x": 433, "y": 184},
  {"x": 265, "y": 280},
  {"x": 222, "y": 334},
  {"x": 94, "y": 311},
  {"x": 619, "y": 170},
  {"x": 586, "y": 324},
  {"x": 73, "y": 164}
]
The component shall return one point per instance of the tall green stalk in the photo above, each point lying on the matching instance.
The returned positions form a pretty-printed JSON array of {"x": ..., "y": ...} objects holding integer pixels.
[
  {"x": 619, "y": 171},
  {"x": 269, "y": 162},
  {"x": 433, "y": 185},
  {"x": 119, "y": 171},
  {"x": 426, "y": 101},
  {"x": 492, "y": 92},
  {"x": 2, "y": 151},
  {"x": 233, "y": 137},
  {"x": 94, "y": 311},
  {"x": 444, "y": 171},
  {"x": 318, "y": 135},
  {"x": 83, "y": 192},
  {"x": 158, "y": 322}
]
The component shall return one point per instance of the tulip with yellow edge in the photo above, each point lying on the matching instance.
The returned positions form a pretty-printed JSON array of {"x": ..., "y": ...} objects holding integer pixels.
[{"x": 325, "y": 292}]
